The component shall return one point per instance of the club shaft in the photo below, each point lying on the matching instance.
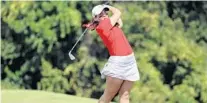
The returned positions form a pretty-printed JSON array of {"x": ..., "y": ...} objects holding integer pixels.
[
  {"x": 78, "y": 40},
  {"x": 82, "y": 35}
]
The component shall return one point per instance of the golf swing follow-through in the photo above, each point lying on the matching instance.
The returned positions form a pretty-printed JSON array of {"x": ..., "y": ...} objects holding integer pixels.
[{"x": 121, "y": 68}]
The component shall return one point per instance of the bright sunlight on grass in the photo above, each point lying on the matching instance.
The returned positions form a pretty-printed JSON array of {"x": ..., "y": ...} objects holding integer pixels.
[{"x": 33, "y": 96}]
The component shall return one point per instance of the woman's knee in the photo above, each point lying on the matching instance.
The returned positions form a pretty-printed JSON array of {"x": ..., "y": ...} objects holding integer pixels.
[{"x": 104, "y": 99}]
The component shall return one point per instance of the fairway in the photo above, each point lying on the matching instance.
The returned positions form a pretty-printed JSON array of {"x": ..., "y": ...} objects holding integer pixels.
[{"x": 33, "y": 96}]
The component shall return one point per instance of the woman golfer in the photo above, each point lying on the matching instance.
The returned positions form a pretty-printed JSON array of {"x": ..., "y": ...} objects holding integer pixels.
[{"x": 121, "y": 69}]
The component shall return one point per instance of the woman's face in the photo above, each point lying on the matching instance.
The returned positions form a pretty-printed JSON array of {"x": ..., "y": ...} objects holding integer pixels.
[
  {"x": 97, "y": 19},
  {"x": 103, "y": 14}
]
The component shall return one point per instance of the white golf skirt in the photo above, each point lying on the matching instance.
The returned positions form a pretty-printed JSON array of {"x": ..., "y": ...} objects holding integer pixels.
[{"x": 121, "y": 67}]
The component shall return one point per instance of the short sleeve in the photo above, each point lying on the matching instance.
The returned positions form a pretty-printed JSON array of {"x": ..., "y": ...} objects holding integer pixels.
[{"x": 105, "y": 26}]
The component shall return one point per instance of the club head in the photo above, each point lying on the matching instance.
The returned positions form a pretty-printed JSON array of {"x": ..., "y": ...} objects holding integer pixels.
[{"x": 71, "y": 56}]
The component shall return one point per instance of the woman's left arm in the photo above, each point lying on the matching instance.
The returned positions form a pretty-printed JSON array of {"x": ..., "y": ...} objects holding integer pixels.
[{"x": 120, "y": 23}]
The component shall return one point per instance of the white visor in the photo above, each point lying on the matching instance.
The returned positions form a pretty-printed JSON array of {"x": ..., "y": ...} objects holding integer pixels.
[{"x": 97, "y": 10}]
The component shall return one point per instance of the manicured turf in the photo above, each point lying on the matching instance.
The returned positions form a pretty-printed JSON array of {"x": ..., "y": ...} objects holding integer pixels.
[{"x": 32, "y": 96}]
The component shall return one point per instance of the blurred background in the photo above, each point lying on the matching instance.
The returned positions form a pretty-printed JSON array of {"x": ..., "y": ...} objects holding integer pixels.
[{"x": 169, "y": 40}]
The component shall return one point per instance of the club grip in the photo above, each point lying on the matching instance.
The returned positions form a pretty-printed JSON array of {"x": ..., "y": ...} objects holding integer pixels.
[{"x": 107, "y": 3}]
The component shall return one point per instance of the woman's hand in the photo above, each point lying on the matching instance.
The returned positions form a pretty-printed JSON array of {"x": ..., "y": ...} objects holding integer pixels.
[{"x": 116, "y": 15}]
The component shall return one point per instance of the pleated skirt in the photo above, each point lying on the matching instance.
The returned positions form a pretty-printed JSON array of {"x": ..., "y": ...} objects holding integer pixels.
[{"x": 121, "y": 67}]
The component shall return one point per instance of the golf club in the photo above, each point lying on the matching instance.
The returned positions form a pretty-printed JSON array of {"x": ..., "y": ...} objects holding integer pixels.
[{"x": 71, "y": 55}]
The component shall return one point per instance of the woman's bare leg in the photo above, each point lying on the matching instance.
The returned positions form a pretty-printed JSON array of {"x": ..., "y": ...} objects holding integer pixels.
[
  {"x": 112, "y": 87},
  {"x": 125, "y": 91}
]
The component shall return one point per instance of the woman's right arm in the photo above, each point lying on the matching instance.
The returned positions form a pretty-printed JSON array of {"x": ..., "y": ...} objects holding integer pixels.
[{"x": 116, "y": 15}]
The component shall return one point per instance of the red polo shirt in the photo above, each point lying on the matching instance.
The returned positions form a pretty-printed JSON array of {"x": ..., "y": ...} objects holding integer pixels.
[{"x": 113, "y": 38}]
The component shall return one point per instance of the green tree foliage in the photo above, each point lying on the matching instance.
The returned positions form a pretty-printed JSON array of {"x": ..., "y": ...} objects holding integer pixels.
[
  {"x": 168, "y": 39},
  {"x": 53, "y": 79}
]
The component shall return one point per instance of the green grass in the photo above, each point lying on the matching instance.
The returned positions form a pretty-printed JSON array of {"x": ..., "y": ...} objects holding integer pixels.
[{"x": 33, "y": 96}]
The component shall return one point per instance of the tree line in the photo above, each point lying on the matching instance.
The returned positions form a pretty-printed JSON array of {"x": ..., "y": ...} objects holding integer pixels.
[{"x": 168, "y": 38}]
